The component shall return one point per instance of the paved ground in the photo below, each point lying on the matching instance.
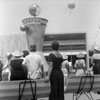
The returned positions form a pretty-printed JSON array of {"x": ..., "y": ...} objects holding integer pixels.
[{"x": 83, "y": 97}]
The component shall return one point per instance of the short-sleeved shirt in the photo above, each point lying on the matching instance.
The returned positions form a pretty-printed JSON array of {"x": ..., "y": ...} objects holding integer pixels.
[{"x": 33, "y": 63}]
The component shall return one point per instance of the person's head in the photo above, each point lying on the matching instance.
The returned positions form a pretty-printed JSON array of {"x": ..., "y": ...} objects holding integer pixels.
[
  {"x": 55, "y": 45},
  {"x": 25, "y": 53},
  {"x": 80, "y": 56},
  {"x": 9, "y": 56},
  {"x": 65, "y": 57},
  {"x": 17, "y": 54},
  {"x": 33, "y": 48}
]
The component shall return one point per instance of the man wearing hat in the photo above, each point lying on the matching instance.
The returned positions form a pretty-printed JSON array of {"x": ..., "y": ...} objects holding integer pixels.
[
  {"x": 80, "y": 64},
  {"x": 96, "y": 61},
  {"x": 17, "y": 70}
]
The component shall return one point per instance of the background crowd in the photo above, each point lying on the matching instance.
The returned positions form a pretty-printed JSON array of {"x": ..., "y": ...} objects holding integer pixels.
[{"x": 21, "y": 64}]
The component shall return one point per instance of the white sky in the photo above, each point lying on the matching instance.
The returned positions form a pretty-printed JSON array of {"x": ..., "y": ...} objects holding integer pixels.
[{"x": 84, "y": 18}]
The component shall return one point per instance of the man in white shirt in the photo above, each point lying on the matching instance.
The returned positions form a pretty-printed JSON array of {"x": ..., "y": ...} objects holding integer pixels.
[{"x": 34, "y": 64}]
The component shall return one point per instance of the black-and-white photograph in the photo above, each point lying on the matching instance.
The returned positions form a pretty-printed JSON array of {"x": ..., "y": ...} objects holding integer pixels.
[{"x": 49, "y": 49}]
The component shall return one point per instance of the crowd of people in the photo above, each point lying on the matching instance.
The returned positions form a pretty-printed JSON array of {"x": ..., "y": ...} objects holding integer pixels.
[
  {"x": 22, "y": 65},
  {"x": 29, "y": 64}
]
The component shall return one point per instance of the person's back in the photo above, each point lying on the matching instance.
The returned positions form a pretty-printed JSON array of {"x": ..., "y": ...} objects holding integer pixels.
[
  {"x": 33, "y": 62},
  {"x": 80, "y": 65},
  {"x": 16, "y": 63},
  {"x": 55, "y": 73},
  {"x": 17, "y": 70}
]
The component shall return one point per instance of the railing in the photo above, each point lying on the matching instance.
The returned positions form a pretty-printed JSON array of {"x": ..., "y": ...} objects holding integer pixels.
[{"x": 9, "y": 90}]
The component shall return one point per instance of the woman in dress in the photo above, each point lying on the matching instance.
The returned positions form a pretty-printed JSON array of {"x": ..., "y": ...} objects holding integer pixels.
[
  {"x": 55, "y": 73},
  {"x": 80, "y": 65},
  {"x": 18, "y": 72}
]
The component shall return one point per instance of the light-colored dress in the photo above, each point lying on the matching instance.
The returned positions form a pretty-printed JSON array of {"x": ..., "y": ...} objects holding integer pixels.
[
  {"x": 65, "y": 73},
  {"x": 80, "y": 66},
  {"x": 65, "y": 64}
]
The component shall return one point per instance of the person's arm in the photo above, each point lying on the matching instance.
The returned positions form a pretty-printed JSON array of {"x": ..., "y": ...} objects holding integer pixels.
[
  {"x": 24, "y": 66},
  {"x": 68, "y": 69},
  {"x": 50, "y": 66},
  {"x": 42, "y": 69},
  {"x": 84, "y": 66},
  {"x": 75, "y": 66},
  {"x": 50, "y": 69}
]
